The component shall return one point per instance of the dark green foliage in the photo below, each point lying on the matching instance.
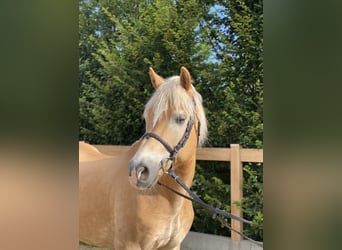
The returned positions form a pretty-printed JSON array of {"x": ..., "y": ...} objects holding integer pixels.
[
  {"x": 235, "y": 85},
  {"x": 220, "y": 42},
  {"x": 252, "y": 203},
  {"x": 127, "y": 39}
]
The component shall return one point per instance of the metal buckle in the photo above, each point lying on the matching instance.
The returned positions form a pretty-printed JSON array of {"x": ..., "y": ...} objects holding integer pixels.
[{"x": 166, "y": 164}]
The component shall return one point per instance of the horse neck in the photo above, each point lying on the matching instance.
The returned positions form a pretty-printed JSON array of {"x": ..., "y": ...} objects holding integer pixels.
[{"x": 186, "y": 171}]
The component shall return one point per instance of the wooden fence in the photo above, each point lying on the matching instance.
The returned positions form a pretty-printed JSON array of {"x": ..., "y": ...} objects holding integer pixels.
[{"x": 235, "y": 155}]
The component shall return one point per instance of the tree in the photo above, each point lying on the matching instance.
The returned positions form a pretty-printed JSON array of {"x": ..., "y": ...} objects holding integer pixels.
[
  {"x": 235, "y": 89},
  {"x": 126, "y": 41},
  {"x": 232, "y": 89}
]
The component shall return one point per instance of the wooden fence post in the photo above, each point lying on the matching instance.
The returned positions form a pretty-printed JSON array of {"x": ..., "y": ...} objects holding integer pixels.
[{"x": 236, "y": 180}]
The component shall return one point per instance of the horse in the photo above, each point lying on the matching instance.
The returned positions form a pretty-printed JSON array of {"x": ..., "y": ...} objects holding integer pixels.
[{"x": 121, "y": 204}]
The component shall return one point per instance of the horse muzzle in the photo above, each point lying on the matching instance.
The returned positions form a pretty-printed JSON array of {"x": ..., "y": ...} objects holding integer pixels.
[{"x": 142, "y": 175}]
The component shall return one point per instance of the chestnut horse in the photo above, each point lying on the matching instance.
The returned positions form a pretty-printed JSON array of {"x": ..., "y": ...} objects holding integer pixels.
[{"x": 121, "y": 204}]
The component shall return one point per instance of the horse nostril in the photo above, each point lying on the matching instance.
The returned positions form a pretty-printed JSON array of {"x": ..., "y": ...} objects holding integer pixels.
[{"x": 142, "y": 173}]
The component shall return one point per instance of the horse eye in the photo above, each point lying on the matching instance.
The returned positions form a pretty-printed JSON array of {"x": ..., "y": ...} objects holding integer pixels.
[{"x": 179, "y": 119}]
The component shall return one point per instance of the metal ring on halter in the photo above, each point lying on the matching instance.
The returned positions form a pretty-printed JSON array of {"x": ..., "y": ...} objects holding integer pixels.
[{"x": 166, "y": 164}]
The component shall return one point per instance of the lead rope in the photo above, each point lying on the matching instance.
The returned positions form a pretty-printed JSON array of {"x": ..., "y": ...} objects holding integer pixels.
[{"x": 211, "y": 210}]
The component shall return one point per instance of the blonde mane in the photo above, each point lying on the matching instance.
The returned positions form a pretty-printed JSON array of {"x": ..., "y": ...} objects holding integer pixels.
[{"x": 172, "y": 94}]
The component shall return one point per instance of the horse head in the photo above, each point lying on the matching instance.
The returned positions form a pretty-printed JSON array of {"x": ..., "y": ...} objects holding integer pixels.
[{"x": 175, "y": 125}]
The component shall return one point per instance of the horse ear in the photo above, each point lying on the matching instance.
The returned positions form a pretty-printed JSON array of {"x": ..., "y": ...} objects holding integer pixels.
[
  {"x": 155, "y": 78},
  {"x": 185, "y": 79}
]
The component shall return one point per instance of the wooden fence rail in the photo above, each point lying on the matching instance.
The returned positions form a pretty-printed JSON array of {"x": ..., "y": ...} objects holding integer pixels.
[{"x": 235, "y": 155}]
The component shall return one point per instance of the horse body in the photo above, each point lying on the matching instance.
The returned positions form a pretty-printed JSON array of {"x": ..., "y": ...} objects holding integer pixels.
[
  {"x": 123, "y": 214},
  {"x": 89, "y": 153},
  {"x": 120, "y": 205}
]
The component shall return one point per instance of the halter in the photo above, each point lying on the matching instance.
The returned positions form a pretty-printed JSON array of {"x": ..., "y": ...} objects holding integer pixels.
[{"x": 173, "y": 151}]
